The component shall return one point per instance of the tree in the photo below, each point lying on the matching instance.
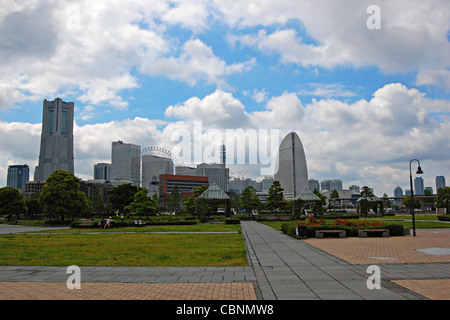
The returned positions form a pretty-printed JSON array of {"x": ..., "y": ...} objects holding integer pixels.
[
  {"x": 11, "y": 202},
  {"x": 98, "y": 203},
  {"x": 407, "y": 202},
  {"x": 318, "y": 205},
  {"x": 174, "y": 199},
  {"x": 443, "y": 199},
  {"x": 249, "y": 199},
  {"x": 275, "y": 196},
  {"x": 334, "y": 195},
  {"x": 366, "y": 196},
  {"x": 61, "y": 196},
  {"x": 189, "y": 203},
  {"x": 121, "y": 196},
  {"x": 142, "y": 204}
]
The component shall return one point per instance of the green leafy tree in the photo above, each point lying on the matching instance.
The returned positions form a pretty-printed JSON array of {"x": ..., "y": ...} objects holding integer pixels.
[
  {"x": 142, "y": 204},
  {"x": 275, "y": 196},
  {"x": 366, "y": 197},
  {"x": 121, "y": 196},
  {"x": 189, "y": 203},
  {"x": 443, "y": 199},
  {"x": 98, "y": 204},
  {"x": 318, "y": 207},
  {"x": 11, "y": 202},
  {"x": 334, "y": 195},
  {"x": 174, "y": 199},
  {"x": 61, "y": 196},
  {"x": 407, "y": 202},
  {"x": 250, "y": 200}
]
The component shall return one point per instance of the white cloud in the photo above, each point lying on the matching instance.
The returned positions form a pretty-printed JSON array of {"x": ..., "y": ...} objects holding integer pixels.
[
  {"x": 196, "y": 63},
  {"x": 413, "y": 34}
]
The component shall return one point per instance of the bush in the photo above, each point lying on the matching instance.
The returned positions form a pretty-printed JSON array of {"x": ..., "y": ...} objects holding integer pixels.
[
  {"x": 444, "y": 217},
  {"x": 232, "y": 221},
  {"x": 395, "y": 229}
]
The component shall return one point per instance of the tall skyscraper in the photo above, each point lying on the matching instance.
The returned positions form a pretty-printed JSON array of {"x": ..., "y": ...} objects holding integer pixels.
[
  {"x": 313, "y": 184},
  {"x": 440, "y": 182},
  {"x": 126, "y": 162},
  {"x": 418, "y": 186},
  {"x": 290, "y": 167},
  {"x": 18, "y": 175},
  {"x": 56, "y": 139}
]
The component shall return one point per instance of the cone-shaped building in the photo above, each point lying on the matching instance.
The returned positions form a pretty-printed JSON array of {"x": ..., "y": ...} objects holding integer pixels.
[{"x": 290, "y": 167}]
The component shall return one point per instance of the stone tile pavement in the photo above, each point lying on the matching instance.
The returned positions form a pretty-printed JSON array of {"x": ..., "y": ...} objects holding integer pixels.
[{"x": 280, "y": 268}]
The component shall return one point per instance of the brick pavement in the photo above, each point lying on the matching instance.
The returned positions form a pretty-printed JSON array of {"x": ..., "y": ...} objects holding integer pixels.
[{"x": 127, "y": 291}]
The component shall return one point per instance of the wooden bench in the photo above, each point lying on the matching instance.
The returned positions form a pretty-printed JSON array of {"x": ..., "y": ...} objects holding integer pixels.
[
  {"x": 138, "y": 223},
  {"x": 86, "y": 224},
  {"x": 373, "y": 233},
  {"x": 285, "y": 218},
  {"x": 271, "y": 219},
  {"x": 331, "y": 233}
]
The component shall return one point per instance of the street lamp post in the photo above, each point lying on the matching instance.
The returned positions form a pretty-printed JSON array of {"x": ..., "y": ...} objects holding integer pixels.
[{"x": 419, "y": 171}]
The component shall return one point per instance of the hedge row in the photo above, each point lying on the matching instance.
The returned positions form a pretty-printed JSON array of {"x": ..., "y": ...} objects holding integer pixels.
[{"x": 444, "y": 217}]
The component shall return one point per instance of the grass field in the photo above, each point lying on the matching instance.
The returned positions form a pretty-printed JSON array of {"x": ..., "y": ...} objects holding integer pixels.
[{"x": 139, "y": 249}]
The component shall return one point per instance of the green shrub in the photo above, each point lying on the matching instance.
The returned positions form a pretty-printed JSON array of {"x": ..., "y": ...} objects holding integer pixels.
[
  {"x": 232, "y": 221},
  {"x": 444, "y": 217}
]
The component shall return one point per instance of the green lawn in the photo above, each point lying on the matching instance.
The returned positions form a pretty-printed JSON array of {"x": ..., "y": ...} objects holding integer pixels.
[{"x": 137, "y": 249}]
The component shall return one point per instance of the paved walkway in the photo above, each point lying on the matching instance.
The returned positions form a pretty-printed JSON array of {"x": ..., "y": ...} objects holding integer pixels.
[{"x": 280, "y": 267}]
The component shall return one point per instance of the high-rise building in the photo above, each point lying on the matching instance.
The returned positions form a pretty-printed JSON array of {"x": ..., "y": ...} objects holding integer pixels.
[
  {"x": 440, "y": 182},
  {"x": 313, "y": 184},
  {"x": 398, "y": 192},
  {"x": 418, "y": 186},
  {"x": 56, "y": 139},
  {"x": 152, "y": 167},
  {"x": 126, "y": 162},
  {"x": 18, "y": 175},
  {"x": 217, "y": 173},
  {"x": 102, "y": 171},
  {"x": 354, "y": 189},
  {"x": 290, "y": 167}
]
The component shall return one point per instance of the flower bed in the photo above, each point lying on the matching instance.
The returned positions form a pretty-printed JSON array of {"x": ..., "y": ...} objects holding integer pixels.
[{"x": 351, "y": 226}]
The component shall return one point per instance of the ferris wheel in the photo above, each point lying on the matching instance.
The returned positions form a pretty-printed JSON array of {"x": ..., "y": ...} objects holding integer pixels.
[{"x": 161, "y": 153}]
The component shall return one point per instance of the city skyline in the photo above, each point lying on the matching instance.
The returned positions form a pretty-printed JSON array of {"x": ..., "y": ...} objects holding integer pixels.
[{"x": 364, "y": 100}]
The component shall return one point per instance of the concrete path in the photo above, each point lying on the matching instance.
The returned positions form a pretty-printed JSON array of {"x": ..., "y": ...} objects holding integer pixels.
[{"x": 287, "y": 268}]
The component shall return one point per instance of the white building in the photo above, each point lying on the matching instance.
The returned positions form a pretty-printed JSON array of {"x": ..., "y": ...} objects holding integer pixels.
[
  {"x": 126, "y": 162},
  {"x": 290, "y": 167},
  {"x": 152, "y": 167}
]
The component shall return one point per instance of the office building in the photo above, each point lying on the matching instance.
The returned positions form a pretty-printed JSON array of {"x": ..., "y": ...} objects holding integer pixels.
[
  {"x": 56, "y": 151},
  {"x": 440, "y": 182},
  {"x": 18, "y": 175},
  {"x": 430, "y": 189},
  {"x": 331, "y": 185},
  {"x": 152, "y": 167},
  {"x": 418, "y": 186},
  {"x": 290, "y": 167},
  {"x": 398, "y": 192},
  {"x": 102, "y": 171},
  {"x": 354, "y": 188},
  {"x": 313, "y": 184},
  {"x": 185, "y": 184},
  {"x": 126, "y": 162},
  {"x": 216, "y": 173},
  {"x": 185, "y": 171}
]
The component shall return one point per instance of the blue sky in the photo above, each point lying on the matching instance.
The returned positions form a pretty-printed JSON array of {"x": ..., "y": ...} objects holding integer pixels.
[{"x": 363, "y": 101}]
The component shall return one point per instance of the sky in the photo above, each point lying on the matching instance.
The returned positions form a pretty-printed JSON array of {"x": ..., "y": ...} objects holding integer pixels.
[{"x": 365, "y": 84}]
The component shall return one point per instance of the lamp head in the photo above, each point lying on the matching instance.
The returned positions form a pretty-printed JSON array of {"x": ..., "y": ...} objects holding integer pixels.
[{"x": 419, "y": 170}]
